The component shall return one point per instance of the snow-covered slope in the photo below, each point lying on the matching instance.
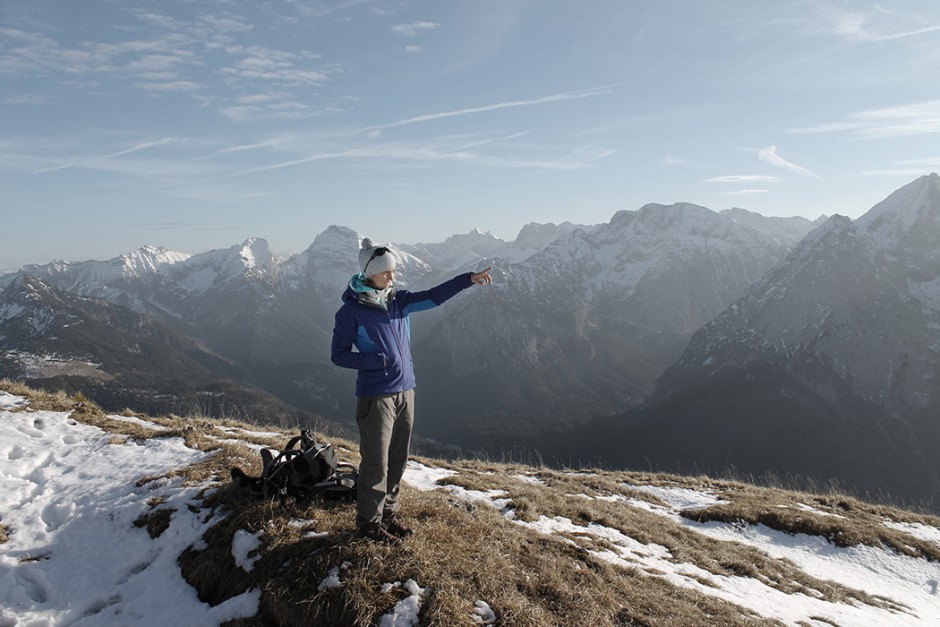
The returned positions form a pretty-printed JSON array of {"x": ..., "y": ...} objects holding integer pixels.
[{"x": 69, "y": 499}]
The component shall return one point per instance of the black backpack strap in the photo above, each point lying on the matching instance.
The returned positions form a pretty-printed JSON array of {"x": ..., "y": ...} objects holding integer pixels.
[{"x": 293, "y": 442}]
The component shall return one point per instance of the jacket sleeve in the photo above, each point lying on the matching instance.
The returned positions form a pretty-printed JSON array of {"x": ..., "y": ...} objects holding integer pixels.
[
  {"x": 342, "y": 353},
  {"x": 427, "y": 299}
]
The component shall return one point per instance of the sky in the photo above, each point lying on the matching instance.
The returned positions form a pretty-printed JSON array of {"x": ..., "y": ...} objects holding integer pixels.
[
  {"x": 196, "y": 124},
  {"x": 69, "y": 489}
]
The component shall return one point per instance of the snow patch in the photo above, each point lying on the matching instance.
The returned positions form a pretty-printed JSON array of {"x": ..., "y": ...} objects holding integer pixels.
[
  {"x": 405, "y": 613},
  {"x": 332, "y": 580},
  {"x": 918, "y": 530},
  {"x": 483, "y": 614},
  {"x": 9, "y": 401},
  {"x": 69, "y": 500},
  {"x": 244, "y": 544},
  {"x": 426, "y": 478},
  {"x": 679, "y": 498}
]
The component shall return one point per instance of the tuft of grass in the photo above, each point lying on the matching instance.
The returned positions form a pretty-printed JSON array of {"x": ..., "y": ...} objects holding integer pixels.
[
  {"x": 39, "y": 400},
  {"x": 156, "y": 521},
  {"x": 4, "y": 534}
]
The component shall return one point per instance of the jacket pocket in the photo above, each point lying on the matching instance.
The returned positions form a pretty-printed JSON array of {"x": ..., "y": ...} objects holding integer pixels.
[{"x": 378, "y": 362}]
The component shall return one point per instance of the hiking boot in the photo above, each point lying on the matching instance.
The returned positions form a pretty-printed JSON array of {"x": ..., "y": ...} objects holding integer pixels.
[
  {"x": 395, "y": 526},
  {"x": 378, "y": 533}
]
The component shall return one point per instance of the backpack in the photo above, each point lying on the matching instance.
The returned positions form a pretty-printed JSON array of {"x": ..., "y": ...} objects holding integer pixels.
[{"x": 304, "y": 473}]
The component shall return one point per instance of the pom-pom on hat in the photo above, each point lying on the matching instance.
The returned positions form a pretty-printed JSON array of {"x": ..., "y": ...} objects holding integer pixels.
[{"x": 375, "y": 259}]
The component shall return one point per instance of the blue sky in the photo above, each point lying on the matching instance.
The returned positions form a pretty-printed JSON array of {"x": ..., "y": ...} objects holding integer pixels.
[{"x": 195, "y": 124}]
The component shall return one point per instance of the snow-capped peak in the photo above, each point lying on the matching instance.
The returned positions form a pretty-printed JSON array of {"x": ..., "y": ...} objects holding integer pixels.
[
  {"x": 327, "y": 263},
  {"x": 912, "y": 212},
  {"x": 251, "y": 259},
  {"x": 148, "y": 259},
  {"x": 255, "y": 251},
  {"x": 456, "y": 252}
]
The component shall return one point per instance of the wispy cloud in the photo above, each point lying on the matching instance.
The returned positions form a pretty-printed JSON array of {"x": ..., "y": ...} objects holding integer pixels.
[
  {"x": 144, "y": 146},
  {"x": 571, "y": 95},
  {"x": 674, "y": 161},
  {"x": 896, "y": 172},
  {"x": 913, "y": 33},
  {"x": 154, "y": 167},
  {"x": 919, "y": 118},
  {"x": 170, "y": 87},
  {"x": 744, "y": 178},
  {"x": 463, "y": 150},
  {"x": 161, "y": 55},
  {"x": 30, "y": 99},
  {"x": 745, "y": 192},
  {"x": 323, "y": 9},
  {"x": 769, "y": 155},
  {"x": 414, "y": 28},
  {"x": 258, "y": 63},
  {"x": 239, "y": 149},
  {"x": 878, "y": 27},
  {"x": 138, "y": 161},
  {"x": 169, "y": 226},
  {"x": 908, "y": 168},
  {"x": 286, "y": 109},
  {"x": 415, "y": 154},
  {"x": 930, "y": 162}
]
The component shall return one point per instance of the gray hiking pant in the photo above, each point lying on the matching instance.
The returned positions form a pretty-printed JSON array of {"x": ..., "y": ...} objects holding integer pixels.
[{"x": 384, "y": 441}]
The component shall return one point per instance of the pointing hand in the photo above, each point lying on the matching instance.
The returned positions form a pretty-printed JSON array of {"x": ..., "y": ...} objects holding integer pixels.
[{"x": 483, "y": 277}]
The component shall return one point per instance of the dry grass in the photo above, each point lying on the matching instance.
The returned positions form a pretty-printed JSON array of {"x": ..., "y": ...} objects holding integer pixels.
[
  {"x": 460, "y": 555},
  {"x": 685, "y": 545},
  {"x": 39, "y": 400},
  {"x": 463, "y": 553}
]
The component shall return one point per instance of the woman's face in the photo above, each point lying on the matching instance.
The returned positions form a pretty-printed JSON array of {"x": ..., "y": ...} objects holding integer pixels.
[{"x": 381, "y": 280}]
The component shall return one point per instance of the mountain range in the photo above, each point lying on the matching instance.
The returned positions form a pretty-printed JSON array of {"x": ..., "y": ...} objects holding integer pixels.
[
  {"x": 774, "y": 344},
  {"x": 580, "y": 323},
  {"x": 825, "y": 367}
]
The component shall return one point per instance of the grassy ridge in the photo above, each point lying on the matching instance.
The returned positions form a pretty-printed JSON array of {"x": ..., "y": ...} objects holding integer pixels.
[{"x": 464, "y": 553}]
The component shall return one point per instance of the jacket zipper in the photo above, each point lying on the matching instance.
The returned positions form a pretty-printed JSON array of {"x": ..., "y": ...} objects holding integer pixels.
[{"x": 401, "y": 350}]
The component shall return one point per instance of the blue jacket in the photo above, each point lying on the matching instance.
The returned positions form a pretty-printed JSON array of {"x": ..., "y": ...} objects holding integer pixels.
[{"x": 382, "y": 338}]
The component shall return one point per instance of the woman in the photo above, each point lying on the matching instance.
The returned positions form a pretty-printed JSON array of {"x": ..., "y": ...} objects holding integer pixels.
[{"x": 373, "y": 320}]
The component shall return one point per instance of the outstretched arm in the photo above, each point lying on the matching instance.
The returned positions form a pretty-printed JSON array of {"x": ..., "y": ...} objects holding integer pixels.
[{"x": 412, "y": 302}]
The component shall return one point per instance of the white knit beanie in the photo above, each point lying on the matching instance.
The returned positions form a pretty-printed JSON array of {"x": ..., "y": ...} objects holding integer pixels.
[{"x": 377, "y": 263}]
